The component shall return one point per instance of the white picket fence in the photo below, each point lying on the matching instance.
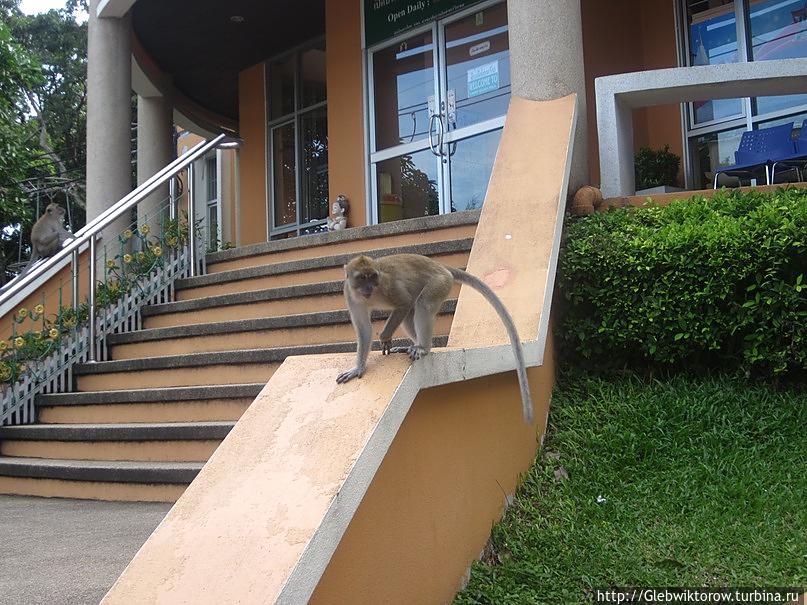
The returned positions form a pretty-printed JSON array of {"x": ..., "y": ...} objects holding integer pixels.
[{"x": 54, "y": 373}]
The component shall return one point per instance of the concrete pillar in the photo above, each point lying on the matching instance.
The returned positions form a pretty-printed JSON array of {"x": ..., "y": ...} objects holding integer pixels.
[
  {"x": 109, "y": 113},
  {"x": 155, "y": 149},
  {"x": 546, "y": 62}
]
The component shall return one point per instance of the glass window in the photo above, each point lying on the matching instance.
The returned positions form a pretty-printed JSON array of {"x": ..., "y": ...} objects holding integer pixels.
[
  {"x": 778, "y": 31},
  {"x": 281, "y": 87},
  {"x": 478, "y": 65},
  {"x": 312, "y": 70},
  {"x": 296, "y": 93},
  {"x": 211, "y": 175},
  {"x": 314, "y": 126},
  {"x": 713, "y": 40},
  {"x": 403, "y": 77},
  {"x": 284, "y": 170},
  {"x": 407, "y": 186},
  {"x": 471, "y": 165}
]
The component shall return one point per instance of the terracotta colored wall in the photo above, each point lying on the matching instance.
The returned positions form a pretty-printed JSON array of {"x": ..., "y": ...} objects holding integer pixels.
[
  {"x": 253, "y": 155},
  {"x": 439, "y": 489},
  {"x": 346, "y": 155},
  {"x": 608, "y": 50}
]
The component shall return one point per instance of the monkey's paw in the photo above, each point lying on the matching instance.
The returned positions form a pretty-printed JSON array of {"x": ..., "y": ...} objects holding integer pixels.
[
  {"x": 416, "y": 352},
  {"x": 350, "y": 375},
  {"x": 386, "y": 349}
]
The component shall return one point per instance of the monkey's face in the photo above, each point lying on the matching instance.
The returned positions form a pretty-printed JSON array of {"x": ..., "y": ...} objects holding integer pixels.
[
  {"x": 363, "y": 282},
  {"x": 55, "y": 210}
]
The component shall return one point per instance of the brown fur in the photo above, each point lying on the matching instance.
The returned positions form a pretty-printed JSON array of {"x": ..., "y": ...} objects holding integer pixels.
[{"x": 414, "y": 288}]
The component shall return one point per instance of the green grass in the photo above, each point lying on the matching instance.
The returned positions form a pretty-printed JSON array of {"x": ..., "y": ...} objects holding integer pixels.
[{"x": 704, "y": 481}]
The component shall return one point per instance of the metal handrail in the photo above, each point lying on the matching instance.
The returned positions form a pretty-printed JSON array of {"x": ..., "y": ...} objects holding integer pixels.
[{"x": 88, "y": 233}]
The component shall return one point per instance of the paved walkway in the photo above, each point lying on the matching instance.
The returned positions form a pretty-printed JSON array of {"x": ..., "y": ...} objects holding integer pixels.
[{"x": 55, "y": 551}]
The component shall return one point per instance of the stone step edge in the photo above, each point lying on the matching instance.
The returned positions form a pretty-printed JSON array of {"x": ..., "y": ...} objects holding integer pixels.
[
  {"x": 240, "y": 298},
  {"x": 281, "y": 322},
  {"x": 107, "y": 471},
  {"x": 157, "y": 395},
  {"x": 239, "y": 357},
  {"x": 312, "y": 264},
  {"x": 162, "y": 431},
  {"x": 413, "y": 225}
]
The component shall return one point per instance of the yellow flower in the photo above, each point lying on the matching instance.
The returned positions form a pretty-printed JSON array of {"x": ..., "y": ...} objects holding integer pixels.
[
  {"x": 127, "y": 258},
  {"x": 127, "y": 234},
  {"x": 110, "y": 264},
  {"x": 5, "y": 372},
  {"x": 54, "y": 333},
  {"x": 19, "y": 341},
  {"x": 38, "y": 335},
  {"x": 3, "y": 345},
  {"x": 171, "y": 241},
  {"x": 70, "y": 322},
  {"x": 157, "y": 251},
  {"x": 39, "y": 309},
  {"x": 144, "y": 229},
  {"x": 141, "y": 256},
  {"x": 22, "y": 313}
]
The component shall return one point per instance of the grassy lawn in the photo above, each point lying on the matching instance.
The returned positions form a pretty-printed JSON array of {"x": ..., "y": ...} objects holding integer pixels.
[{"x": 683, "y": 482}]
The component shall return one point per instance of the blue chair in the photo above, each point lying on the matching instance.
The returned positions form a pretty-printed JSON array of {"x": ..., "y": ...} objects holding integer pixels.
[
  {"x": 797, "y": 160},
  {"x": 757, "y": 151}
]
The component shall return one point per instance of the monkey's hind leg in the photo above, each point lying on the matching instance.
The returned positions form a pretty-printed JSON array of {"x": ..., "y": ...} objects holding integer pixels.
[{"x": 409, "y": 328}]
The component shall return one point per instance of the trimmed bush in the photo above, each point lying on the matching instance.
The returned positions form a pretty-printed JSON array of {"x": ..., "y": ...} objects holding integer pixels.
[{"x": 717, "y": 282}]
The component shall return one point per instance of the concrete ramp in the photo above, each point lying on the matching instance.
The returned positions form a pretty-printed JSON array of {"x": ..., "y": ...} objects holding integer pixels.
[{"x": 383, "y": 490}]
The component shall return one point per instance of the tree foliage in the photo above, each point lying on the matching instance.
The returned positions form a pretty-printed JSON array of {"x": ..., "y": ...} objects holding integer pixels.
[{"x": 42, "y": 119}]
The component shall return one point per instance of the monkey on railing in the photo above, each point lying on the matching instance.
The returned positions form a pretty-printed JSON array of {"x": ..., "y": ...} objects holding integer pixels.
[{"x": 47, "y": 235}]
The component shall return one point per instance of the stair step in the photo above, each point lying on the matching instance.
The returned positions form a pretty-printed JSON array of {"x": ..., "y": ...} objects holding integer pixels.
[
  {"x": 457, "y": 225},
  {"x": 312, "y": 270},
  {"x": 288, "y": 330},
  {"x": 194, "y": 369},
  {"x": 221, "y": 391},
  {"x": 238, "y": 298},
  {"x": 171, "y": 404},
  {"x": 139, "y": 431},
  {"x": 120, "y": 471}
]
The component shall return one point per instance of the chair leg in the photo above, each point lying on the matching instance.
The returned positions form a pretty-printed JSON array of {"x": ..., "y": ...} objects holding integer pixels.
[
  {"x": 768, "y": 175},
  {"x": 717, "y": 174}
]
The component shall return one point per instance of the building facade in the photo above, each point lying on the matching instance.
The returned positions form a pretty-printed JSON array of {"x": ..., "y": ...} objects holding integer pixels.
[{"x": 399, "y": 104}]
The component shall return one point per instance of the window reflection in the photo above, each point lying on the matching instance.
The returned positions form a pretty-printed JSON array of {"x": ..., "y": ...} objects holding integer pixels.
[
  {"x": 712, "y": 151},
  {"x": 712, "y": 41},
  {"x": 779, "y": 31},
  {"x": 404, "y": 81},
  {"x": 407, "y": 186}
]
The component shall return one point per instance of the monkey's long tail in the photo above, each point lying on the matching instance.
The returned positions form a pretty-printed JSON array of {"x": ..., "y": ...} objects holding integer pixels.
[{"x": 477, "y": 284}]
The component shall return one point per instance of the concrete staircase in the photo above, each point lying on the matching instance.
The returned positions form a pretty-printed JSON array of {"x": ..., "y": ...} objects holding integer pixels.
[{"x": 141, "y": 425}]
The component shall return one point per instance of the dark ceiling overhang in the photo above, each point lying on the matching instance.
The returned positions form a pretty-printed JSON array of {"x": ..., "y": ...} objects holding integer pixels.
[{"x": 201, "y": 45}]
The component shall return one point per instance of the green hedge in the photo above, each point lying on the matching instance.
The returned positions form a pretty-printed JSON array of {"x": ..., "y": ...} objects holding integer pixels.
[{"x": 718, "y": 282}]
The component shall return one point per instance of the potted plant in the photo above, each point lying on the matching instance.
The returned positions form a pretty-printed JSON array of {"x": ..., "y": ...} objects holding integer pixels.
[{"x": 656, "y": 171}]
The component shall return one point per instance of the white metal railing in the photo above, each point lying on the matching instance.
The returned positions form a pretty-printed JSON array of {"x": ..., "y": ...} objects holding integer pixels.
[{"x": 86, "y": 342}]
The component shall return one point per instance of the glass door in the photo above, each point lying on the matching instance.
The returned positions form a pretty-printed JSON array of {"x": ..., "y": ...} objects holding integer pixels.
[
  {"x": 475, "y": 69},
  {"x": 438, "y": 96}
]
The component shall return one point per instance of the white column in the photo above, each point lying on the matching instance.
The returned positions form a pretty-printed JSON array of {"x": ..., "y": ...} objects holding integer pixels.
[
  {"x": 109, "y": 115},
  {"x": 155, "y": 141},
  {"x": 546, "y": 62}
]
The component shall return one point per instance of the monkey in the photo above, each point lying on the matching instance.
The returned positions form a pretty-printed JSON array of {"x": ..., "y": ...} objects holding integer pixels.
[
  {"x": 414, "y": 288},
  {"x": 47, "y": 235}
]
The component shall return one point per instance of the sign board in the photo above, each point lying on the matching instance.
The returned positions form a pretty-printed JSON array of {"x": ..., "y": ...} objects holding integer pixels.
[
  {"x": 483, "y": 79},
  {"x": 385, "y": 19}
]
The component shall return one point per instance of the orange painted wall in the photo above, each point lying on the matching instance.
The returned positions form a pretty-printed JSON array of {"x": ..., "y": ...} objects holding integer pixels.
[
  {"x": 253, "y": 155},
  {"x": 346, "y": 156},
  {"x": 438, "y": 491},
  {"x": 609, "y": 49}
]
